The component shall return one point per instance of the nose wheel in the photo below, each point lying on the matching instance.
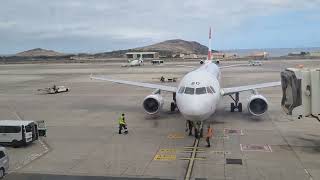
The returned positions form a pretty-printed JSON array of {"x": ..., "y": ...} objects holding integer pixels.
[{"x": 236, "y": 105}]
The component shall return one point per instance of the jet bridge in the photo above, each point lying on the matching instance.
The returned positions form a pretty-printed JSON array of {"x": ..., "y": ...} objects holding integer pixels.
[{"x": 301, "y": 92}]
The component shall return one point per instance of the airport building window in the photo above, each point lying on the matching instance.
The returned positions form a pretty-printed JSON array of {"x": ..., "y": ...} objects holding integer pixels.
[
  {"x": 181, "y": 90},
  {"x": 201, "y": 90},
  {"x": 209, "y": 90},
  {"x": 189, "y": 90}
]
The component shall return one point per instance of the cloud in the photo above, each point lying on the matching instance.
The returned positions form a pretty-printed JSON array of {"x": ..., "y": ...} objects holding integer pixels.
[
  {"x": 5, "y": 25},
  {"x": 134, "y": 20}
]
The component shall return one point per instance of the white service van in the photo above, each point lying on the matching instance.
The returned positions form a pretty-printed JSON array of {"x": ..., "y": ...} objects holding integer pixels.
[{"x": 18, "y": 133}]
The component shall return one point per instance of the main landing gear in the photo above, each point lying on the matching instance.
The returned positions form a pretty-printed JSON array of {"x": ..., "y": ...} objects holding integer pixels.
[
  {"x": 236, "y": 105},
  {"x": 173, "y": 104}
]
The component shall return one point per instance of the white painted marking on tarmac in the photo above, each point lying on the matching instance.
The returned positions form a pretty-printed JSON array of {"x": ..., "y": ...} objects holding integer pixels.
[
  {"x": 32, "y": 157},
  {"x": 307, "y": 172}
]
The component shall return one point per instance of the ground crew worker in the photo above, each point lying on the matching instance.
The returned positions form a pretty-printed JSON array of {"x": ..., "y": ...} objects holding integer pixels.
[
  {"x": 189, "y": 127},
  {"x": 122, "y": 124},
  {"x": 209, "y": 135}
]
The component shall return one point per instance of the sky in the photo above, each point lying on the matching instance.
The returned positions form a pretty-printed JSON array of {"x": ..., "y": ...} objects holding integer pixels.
[{"x": 74, "y": 26}]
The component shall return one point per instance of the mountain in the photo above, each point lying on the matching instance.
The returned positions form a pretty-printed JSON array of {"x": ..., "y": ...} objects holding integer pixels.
[
  {"x": 39, "y": 52},
  {"x": 176, "y": 46},
  {"x": 165, "y": 48}
]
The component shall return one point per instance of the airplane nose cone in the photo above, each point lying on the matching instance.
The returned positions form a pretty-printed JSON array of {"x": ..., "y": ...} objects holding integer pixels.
[{"x": 195, "y": 110}]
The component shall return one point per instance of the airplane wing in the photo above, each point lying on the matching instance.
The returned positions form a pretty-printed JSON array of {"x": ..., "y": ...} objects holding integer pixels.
[
  {"x": 235, "y": 65},
  {"x": 140, "y": 84},
  {"x": 232, "y": 90},
  {"x": 220, "y": 67},
  {"x": 181, "y": 65}
]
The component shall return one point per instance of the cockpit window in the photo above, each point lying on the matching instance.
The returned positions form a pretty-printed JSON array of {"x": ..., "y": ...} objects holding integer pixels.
[
  {"x": 201, "y": 90},
  {"x": 209, "y": 90},
  {"x": 212, "y": 89},
  {"x": 181, "y": 90},
  {"x": 189, "y": 90}
]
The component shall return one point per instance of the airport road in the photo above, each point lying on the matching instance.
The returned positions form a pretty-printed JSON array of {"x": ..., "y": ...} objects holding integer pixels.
[{"x": 82, "y": 127}]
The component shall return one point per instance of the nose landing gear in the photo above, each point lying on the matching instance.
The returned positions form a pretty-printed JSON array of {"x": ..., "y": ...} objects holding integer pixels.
[{"x": 236, "y": 105}]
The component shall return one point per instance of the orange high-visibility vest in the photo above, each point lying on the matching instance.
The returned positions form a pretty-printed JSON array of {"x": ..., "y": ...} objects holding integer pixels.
[{"x": 210, "y": 132}]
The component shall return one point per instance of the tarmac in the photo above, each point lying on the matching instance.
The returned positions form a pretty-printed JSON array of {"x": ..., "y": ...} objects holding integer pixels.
[{"x": 83, "y": 140}]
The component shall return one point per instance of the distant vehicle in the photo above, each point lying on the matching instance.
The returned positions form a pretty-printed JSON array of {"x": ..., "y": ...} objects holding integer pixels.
[
  {"x": 135, "y": 62},
  {"x": 4, "y": 162},
  {"x": 170, "y": 79},
  {"x": 255, "y": 63},
  {"x": 157, "y": 61},
  {"x": 55, "y": 89},
  {"x": 42, "y": 129},
  {"x": 17, "y": 133}
]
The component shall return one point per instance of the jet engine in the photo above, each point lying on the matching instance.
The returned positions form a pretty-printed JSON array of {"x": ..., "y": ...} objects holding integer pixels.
[
  {"x": 153, "y": 103},
  {"x": 257, "y": 105}
]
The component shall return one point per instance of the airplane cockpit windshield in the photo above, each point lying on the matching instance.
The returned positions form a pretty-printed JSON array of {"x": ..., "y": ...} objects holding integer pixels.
[
  {"x": 189, "y": 90},
  {"x": 201, "y": 90},
  {"x": 197, "y": 91}
]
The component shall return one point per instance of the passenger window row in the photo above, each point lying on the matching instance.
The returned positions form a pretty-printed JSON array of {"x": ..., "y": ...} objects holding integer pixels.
[{"x": 198, "y": 91}]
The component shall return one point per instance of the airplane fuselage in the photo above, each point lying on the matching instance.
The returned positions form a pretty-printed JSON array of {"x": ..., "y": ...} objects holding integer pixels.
[{"x": 198, "y": 93}]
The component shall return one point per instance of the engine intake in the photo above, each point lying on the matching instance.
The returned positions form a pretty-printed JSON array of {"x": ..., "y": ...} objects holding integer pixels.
[
  {"x": 257, "y": 105},
  {"x": 153, "y": 103}
]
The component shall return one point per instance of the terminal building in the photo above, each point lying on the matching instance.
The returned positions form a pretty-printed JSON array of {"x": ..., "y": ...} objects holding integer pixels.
[
  {"x": 259, "y": 56},
  {"x": 145, "y": 55}
]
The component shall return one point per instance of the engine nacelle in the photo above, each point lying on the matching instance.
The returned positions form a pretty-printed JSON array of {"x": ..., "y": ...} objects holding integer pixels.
[
  {"x": 153, "y": 103},
  {"x": 257, "y": 105}
]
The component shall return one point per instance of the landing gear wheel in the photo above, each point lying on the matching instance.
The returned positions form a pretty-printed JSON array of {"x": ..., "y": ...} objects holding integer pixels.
[
  {"x": 240, "y": 107},
  {"x": 172, "y": 106},
  {"x": 232, "y": 107}
]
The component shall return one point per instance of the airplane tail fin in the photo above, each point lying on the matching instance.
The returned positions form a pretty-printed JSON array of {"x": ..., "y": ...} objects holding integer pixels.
[
  {"x": 140, "y": 59},
  {"x": 209, "y": 48}
]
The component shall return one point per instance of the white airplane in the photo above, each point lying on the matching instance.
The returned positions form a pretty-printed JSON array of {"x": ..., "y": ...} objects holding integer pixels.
[
  {"x": 135, "y": 62},
  {"x": 199, "y": 92}
]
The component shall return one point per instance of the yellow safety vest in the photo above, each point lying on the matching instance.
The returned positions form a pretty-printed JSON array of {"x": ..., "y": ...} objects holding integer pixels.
[{"x": 121, "y": 120}]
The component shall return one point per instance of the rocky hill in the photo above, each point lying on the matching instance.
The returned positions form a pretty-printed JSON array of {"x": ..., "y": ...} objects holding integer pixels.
[
  {"x": 165, "y": 48},
  {"x": 177, "y": 46},
  {"x": 39, "y": 52}
]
